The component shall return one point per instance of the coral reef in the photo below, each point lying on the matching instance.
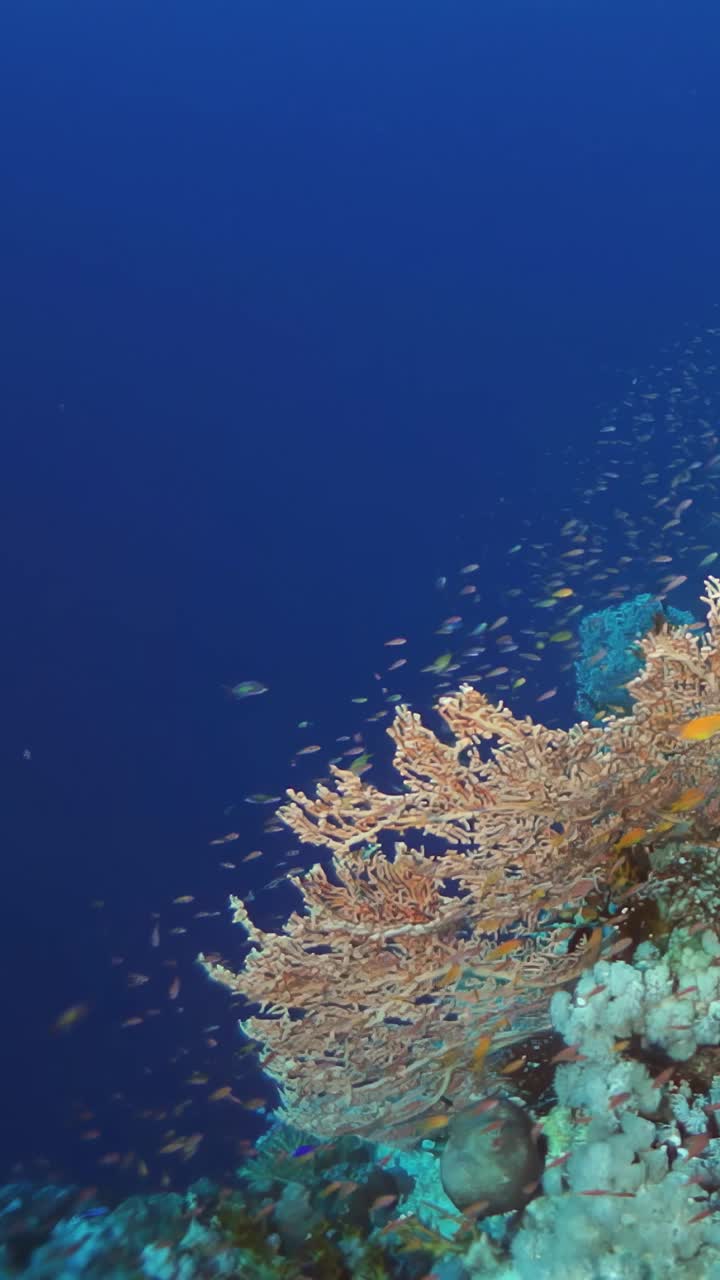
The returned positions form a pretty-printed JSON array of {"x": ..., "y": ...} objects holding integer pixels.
[{"x": 407, "y": 969}]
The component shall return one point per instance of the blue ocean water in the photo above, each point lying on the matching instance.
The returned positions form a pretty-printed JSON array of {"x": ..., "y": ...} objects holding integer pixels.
[{"x": 304, "y": 308}]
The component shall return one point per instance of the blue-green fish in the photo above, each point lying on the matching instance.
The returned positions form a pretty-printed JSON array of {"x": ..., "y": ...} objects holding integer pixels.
[{"x": 246, "y": 689}]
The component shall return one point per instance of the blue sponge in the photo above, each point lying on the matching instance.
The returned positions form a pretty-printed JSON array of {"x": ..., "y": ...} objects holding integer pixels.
[{"x": 610, "y": 655}]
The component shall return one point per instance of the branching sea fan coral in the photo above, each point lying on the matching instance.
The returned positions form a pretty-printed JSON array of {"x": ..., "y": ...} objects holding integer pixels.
[{"x": 379, "y": 1001}]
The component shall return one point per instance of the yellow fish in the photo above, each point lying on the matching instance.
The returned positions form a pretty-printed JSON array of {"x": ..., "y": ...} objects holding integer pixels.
[
  {"x": 700, "y": 729},
  {"x": 662, "y": 827},
  {"x": 434, "y": 1122}
]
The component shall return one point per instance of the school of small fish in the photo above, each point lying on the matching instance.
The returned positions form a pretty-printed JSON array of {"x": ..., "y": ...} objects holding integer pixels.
[{"x": 637, "y": 510}]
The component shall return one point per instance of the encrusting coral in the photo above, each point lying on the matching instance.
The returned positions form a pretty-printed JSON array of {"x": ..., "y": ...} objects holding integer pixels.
[{"x": 380, "y": 1001}]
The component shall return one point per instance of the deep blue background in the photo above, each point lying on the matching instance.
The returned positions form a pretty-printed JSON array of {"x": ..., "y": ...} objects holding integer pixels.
[{"x": 302, "y": 306}]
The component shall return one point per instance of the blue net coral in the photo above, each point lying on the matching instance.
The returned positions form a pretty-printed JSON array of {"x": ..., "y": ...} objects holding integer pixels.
[
  {"x": 610, "y": 654},
  {"x": 380, "y": 999}
]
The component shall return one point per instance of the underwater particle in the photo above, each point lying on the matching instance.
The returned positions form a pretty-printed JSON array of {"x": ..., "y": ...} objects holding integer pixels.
[
  {"x": 245, "y": 689},
  {"x": 490, "y": 1161}
]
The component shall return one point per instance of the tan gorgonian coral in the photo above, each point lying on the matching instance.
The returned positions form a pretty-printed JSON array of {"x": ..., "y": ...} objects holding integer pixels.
[{"x": 379, "y": 1001}]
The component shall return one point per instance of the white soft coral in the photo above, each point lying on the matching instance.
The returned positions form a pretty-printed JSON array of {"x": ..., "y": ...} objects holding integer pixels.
[
  {"x": 672, "y": 1003},
  {"x": 624, "y": 1203}
]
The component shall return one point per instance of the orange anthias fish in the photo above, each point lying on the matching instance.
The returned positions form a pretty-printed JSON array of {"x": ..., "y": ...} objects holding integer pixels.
[
  {"x": 689, "y": 799},
  {"x": 504, "y": 949},
  {"x": 516, "y": 1065},
  {"x": 452, "y": 975},
  {"x": 633, "y": 836},
  {"x": 700, "y": 729},
  {"x": 480, "y": 1051}
]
